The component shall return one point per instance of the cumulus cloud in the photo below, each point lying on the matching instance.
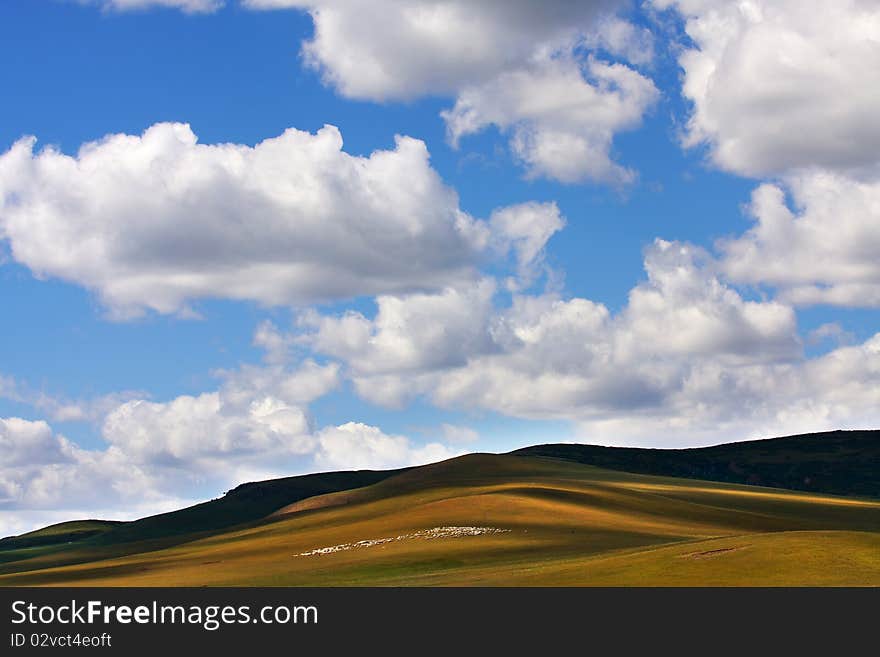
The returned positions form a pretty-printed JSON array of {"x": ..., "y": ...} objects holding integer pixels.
[
  {"x": 60, "y": 408},
  {"x": 188, "y": 429},
  {"x": 163, "y": 455},
  {"x": 393, "y": 50},
  {"x": 42, "y": 470},
  {"x": 562, "y": 115},
  {"x": 778, "y": 85},
  {"x": 716, "y": 403},
  {"x": 22, "y": 442},
  {"x": 46, "y": 478},
  {"x": 687, "y": 360},
  {"x": 519, "y": 66},
  {"x": 783, "y": 88},
  {"x": 426, "y": 331},
  {"x": 417, "y": 333},
  {"x": 157, "y": 220},
  {"x": 359, "y": 446},
  {"x": 822, "y": 249}
]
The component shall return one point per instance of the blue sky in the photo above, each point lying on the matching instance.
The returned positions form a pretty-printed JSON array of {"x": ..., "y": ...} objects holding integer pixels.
[{"x": 589, "y": 140}]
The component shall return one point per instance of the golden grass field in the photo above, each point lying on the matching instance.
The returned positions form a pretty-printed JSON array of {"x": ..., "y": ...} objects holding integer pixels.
[{"x": 566, "y": 524}]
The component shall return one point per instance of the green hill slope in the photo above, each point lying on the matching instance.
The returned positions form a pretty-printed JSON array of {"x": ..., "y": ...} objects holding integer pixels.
[
  {"x": 512, "y": 520},
  {"x": 244, "y": 504},
  {"x": 837, "y": 462},
  {"x": 63, "y": 532}
]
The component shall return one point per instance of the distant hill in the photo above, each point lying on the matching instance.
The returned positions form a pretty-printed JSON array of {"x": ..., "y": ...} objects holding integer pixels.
[
  {"x": 836, "y": 462},
  {"x": 563, "y": 514},
  {"x": 504, "y": 520},
  {"x": 63, "y": 532},
  {"x": 250, "y": 502},
  {"x": 245, "y": 503}
]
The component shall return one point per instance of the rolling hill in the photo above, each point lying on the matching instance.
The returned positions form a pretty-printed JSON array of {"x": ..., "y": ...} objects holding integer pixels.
[
  {"x": 526, "y": 518},
  {"x": 76, "y": 541},
  {"x": 63, "y": 532},
  {"x": 837, "y": 462}
]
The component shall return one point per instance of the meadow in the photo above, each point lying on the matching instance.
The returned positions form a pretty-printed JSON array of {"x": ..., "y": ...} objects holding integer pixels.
[{"x": 498, "y": 520}]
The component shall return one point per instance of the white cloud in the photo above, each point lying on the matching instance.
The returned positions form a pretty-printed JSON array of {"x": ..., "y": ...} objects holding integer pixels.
[
  {"x": 517, "y": 65},
  {"x": 716, "y": 403},
  {"x": 573, "y": 359},
  {"x": 187, "y": 6},
  {"x": 159, "y": 455},
  {"x": 359, "y": 446},
  {"x": 44, "y": 471},
  {"x": 274, "y": 343},
  {"x": 830, "y": 331},
  {"x": 163, "y": 455},
  {"x": 417, "y": 333},
  {"x": 524, "y": 231},
  {"x": 300, "y": 386},
  {"x": 562, "y": 115},
  {"x": 390, "y": 49},
  {"x": 685, "y": 310},
  {"x": 824, "y": 250},
  {"x": 158, "y": 220},
  {"x": 687, "y": 360},
  {"x": 60, "y": 408},
  {"x": 778, "y": 85},
  {"x": 622, "y": 39},
  {"x": 786, "y": 88},
  {"x": 22, "y": 441},
  {"x": 457, "y": 434},
  {"x": 405, "y": 334},
  {"x": 191, "y": 429}
]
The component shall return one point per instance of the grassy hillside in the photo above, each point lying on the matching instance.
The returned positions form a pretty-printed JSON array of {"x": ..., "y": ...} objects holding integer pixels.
[
  {"x": 245, "y": 503},
  {"x": 63, "y": 532},
  {"x": 251, "y": 502},
  {"x": 837, "y": 462},
  {"x": 514, "y": 520}
]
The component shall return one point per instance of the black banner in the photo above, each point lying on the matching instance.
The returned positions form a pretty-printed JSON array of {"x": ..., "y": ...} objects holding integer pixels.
[{"x": 176, "y": 621}]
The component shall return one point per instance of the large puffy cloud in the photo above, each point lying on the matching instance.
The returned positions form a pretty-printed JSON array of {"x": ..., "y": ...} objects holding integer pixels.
[
  {"x": 157, "y": 220},
  {"x": 354, "y": 445},
  {"x": 397, "y": 49},
  {"x": 188, "y": 429},
  {"x": 562, "y": 115},
  {"x": 415, "y": 334},
  {"x": 573, "y": 358},
  {"x": 717, "y": 403},
  {"x": 778, "y": 85},
  {"x": 519, "y": 66},
  {"x": 51, "y": 479},
  {"x": 823, "y": 251},
  {"x": 162, "y": 455},
  {"x": 256, "y": 425},
  {"x": 784, "y": 88},
  {"x": 687, "y": 360},
  {"x": 22, "y": 442},
  {"x": 42, "y": 470},
  {"x": 158, "y": 455}
]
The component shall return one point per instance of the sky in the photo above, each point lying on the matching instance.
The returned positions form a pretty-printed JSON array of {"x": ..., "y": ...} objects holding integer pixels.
[{"x": 244, "y": 239}]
